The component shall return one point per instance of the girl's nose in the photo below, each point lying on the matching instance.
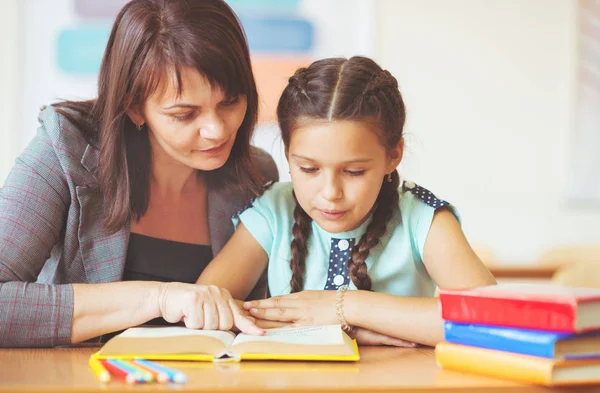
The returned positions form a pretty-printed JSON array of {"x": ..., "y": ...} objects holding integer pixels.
[{"x": 331, "y": 190}]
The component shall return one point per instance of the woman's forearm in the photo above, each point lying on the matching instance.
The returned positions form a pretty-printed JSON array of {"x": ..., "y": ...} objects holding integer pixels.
[
  {"x": 409, "y": 318},
  {"x": 104, "y": 308}
]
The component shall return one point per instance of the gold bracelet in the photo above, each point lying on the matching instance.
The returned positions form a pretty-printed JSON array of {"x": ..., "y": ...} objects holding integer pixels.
[{"x": 339, "y": 309}]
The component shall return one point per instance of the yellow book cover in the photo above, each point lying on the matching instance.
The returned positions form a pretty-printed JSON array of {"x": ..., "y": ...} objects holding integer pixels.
[
  {"x": 322, "y": 343},
  {"x": 518, "y": 367}
]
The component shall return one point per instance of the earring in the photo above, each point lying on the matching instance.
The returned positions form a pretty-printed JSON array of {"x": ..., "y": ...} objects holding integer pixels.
[
  {"x": 139, "y": 126},
  {"x": 389, "y": 177}
]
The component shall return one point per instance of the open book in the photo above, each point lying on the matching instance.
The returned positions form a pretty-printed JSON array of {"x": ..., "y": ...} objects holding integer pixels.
[{"x": 328, "y": 342}]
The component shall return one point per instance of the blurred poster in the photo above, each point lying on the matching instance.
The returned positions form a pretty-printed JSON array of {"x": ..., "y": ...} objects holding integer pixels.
[
  {"x": 63, "y": 42},
  {"x": 584, "y": 174}
]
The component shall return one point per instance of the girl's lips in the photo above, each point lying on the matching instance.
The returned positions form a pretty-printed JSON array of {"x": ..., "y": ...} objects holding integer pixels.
[{"x": 332, "y": 214}]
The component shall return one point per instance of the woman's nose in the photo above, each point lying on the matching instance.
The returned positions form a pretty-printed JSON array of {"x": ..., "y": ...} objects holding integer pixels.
[{"x": 212, "y": 127}]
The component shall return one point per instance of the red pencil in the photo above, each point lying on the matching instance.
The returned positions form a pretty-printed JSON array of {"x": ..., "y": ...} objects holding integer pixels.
[{"x": 119, "y": 372}]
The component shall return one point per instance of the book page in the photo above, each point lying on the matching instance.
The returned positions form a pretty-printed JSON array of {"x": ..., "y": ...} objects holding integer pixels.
[
  {"x": 173, "y": 331},
  {"x": 310, "y": 335}
]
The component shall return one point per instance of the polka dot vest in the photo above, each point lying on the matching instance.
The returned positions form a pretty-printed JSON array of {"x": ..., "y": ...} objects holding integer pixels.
[
  {"x": 341, "y": 249},
  {"x": 424, "y": 195},
  {"x": 337, "y": 274}
]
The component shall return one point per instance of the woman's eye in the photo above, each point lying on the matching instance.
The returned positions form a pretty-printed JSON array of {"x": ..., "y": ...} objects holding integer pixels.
[
  {"x": 230, "y": 101},
  {"x": 308, "y": 169},
  {"x": 355, "y": 173},
  {"x": 185, "y": 117}
]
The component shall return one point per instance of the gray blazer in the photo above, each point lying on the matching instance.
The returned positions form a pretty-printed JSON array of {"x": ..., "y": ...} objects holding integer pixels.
[{"x": 52, "y": 234}]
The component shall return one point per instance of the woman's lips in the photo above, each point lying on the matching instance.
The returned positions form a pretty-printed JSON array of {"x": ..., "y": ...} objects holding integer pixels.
[{"x": 214, "y": 150}]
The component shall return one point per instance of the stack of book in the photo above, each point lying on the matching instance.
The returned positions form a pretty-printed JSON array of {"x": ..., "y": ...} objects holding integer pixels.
[{"x": 538, "y": 333}]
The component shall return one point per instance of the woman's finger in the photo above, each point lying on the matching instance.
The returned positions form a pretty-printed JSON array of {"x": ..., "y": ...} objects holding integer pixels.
[
  {"x": 224, "y": 310},
  {"x": 211, "y": 315},
  {"x": 193, "y": 316},
  {"x": 243, "y": 323}
]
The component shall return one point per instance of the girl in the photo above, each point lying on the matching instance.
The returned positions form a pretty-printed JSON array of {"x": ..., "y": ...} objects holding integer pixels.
[
  {"x": 116, "y": 206},
  {"x": 345, "y": 221}
]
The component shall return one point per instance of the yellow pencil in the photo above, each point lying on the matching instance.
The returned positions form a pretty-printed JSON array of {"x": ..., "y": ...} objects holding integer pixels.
[{"x": 101, "y": 373}]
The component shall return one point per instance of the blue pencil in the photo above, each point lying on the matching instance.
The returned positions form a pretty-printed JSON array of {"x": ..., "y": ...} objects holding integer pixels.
[
  {"x": 140, "y": 377},
  {"x": 174, "y": 375}
]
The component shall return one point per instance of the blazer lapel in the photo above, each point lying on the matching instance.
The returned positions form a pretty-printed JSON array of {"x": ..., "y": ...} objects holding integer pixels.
[
  {"x": 223, "y": 203},
  {"x": 103, "y": 254},
  {"x": 216, "y": 218}
]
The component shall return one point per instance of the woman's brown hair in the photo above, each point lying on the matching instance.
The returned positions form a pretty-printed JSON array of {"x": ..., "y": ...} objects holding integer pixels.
[
  {"x": 152, "y": 40},
  {"x": 355, "y": 89}
]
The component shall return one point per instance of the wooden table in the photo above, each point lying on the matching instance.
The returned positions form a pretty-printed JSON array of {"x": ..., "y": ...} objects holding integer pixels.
[
  {"x": 541, "y": 272},
  {"x": 380, "y": 370}
]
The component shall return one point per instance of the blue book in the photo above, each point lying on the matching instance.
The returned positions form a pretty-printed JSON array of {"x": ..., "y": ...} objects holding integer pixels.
[{"x": 546, "y": 344}]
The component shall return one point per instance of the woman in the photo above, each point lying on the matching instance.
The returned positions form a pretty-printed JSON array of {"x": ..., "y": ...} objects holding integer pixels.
[{"x": 118, "y": 203}]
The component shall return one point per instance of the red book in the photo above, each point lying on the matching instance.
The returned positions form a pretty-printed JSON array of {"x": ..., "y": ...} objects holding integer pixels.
[{"x": 531, "y": 306}]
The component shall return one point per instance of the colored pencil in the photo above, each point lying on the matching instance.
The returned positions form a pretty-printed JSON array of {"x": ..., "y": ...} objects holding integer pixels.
[
  {"x": 148, "y": 375},
  {"x": 99, "y": 370},
  {"x": 174, "y": 375},
  {"x": 158, "y": 375},
  {"x": 119, "y": 372},
  {"x": 141, "y": 375}
]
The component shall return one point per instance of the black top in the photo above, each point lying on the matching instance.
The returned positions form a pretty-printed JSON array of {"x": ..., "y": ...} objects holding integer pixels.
[{"x": 153, "y": 259}]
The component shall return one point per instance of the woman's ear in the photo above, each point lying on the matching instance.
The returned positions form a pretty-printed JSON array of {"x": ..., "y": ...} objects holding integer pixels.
[
  {"x": 135, "y": 115},
  {"x": 395, "y": 156}
]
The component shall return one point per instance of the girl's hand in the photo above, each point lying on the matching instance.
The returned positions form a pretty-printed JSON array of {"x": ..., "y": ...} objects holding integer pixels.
[
  {"x": 304, "y": 308},
  {"x": 312, "y": 308},
  {"x": 369, "y": 337},
  {"x": 261, "y": 323},
  {"x": 203, "y": 307}
]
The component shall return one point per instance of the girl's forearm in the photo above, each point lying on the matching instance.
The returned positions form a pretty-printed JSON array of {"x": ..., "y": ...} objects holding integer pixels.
[
  {"x": 409, "y": 318},
  {"x": 105, "y": 308}
]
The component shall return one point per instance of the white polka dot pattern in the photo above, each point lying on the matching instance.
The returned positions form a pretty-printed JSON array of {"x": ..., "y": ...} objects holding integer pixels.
[
  {"x": 337, "y": 274},
  {"x": 424, "y": 195}
]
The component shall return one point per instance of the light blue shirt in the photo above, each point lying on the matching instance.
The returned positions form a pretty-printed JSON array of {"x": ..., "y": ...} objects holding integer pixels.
[{"x": 395, "y": 265}]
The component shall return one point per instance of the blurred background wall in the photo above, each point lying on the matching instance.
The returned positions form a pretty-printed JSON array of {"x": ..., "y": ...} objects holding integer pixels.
[{"x": 490, "y": 89}]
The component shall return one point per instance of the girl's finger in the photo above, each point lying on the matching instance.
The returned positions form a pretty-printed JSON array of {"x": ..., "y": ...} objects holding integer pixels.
[
  {"x": 273, "y": 302},
  {"x": 265, "y": 324},
  {"x": 282, "y": 314}
]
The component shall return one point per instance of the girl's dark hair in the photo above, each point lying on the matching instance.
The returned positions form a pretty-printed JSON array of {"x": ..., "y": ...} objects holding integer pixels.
[
  {"x": 150, "y": 41},
  {"x": 354, "y": 89}
]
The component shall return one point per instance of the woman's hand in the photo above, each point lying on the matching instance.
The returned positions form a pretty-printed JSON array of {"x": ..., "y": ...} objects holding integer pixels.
[
  {"x": 304, "y": 308},
  {"x": 203, "y": 307}
]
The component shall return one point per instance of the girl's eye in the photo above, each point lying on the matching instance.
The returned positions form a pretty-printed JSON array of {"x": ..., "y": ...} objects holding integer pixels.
[
  {"x": 230, "y": 101},
  {"x": 355, "y": 173},
  {"x": 185, "y": 117},
  {"x": 308, "y": 169}
]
